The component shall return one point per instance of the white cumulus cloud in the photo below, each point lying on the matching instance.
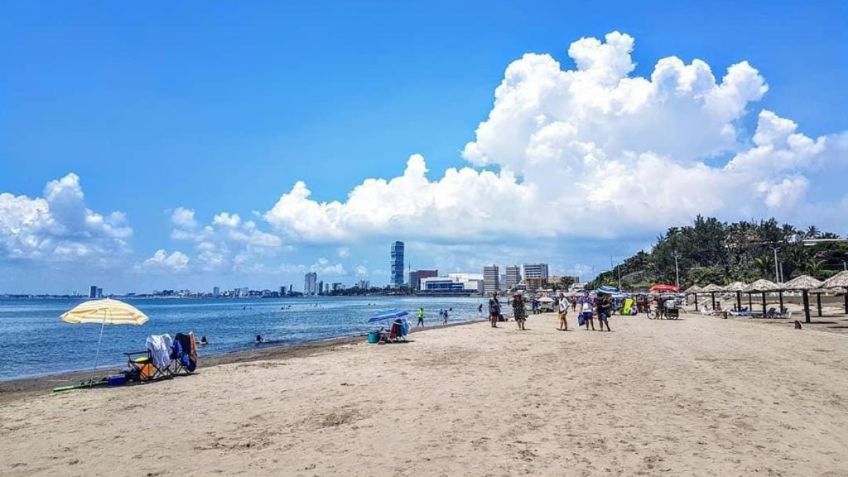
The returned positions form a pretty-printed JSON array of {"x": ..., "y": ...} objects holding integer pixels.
[
  {"x": 613, "y": 152},
  {"x": 163, "y": 261},
  {"x": 227, "y": 243},
  {"x": 59, "y": 226}
]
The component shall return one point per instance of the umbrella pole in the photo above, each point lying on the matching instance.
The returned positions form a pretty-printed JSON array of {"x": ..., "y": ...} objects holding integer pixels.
[
  {"x": 750, "y": 304},
  {"x": 806, "y": 298},
  {"x": 97, "y": 354},
  {"x": 818, "y": 303},
  {"x": 780, "y": 294},
  {"x": 712, "y": 294},
  {"x": 846, "y": 300},
  {"x": 738, "y": 300}
]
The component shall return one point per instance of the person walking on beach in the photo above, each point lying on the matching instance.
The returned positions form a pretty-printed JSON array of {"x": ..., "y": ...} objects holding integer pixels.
[
  {"x": 445, "y": 317},
  {"x": 604, "y": 312},
  {"x": 586, "y": 312},
  {"x": 518, "y": 311},
  {"x": 563, "y": 312},
  {"x": 494, "y": 310},
  {"x": 420, "y": 316}
]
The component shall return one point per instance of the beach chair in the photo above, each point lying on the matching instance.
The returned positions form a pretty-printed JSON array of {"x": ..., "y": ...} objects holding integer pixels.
[
  {"x": 183, "y": 354},
  {"x": 152, "y": 363},
  {"x": 140, "y": 367}
]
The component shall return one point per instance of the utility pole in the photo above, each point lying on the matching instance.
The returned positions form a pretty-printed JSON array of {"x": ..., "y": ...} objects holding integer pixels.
[
  {"x": 776, "y": 269},
  {"x": 676, "y": 271}
]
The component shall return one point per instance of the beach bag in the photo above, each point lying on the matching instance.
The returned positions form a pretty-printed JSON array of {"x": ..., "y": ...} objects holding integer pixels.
[{"x": 580, "y": 320}]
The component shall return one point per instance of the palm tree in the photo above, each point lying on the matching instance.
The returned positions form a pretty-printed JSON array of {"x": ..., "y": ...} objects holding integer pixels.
[
  {"x": 762, "y": 264},
  {"x": 814, "y": 268},
  {"x": 812, "y": 232}
]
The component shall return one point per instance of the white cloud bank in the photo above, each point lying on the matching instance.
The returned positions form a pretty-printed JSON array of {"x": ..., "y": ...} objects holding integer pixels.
[
  {"x": 617, "y": 153},
  {"x": 59, "y": 227},
  {"x": 163, "y": 261},
  {"x": 226, "y": 244}
]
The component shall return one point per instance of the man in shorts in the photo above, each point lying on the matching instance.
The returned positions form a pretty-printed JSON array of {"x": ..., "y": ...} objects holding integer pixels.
[
  {"x": 604, "y": 312},
  {"x": 494, "y": 310}
]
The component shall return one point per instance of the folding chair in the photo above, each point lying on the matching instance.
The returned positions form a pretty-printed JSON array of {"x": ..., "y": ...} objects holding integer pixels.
[
  {"x": 140, "y": 367},
  {"x": 183, "y": 354}
]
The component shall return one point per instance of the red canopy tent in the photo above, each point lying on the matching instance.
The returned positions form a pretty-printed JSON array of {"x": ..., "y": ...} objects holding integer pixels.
[{"x": 664, "y": 288}]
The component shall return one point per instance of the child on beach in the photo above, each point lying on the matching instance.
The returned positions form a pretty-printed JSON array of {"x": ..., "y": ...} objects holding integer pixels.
[
  {"x": 563, "y": 312},
  {"x": 420, "y": 317}
]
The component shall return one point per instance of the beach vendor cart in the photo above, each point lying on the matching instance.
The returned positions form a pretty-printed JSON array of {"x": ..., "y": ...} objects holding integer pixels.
[{"x": 672, "y": 311}]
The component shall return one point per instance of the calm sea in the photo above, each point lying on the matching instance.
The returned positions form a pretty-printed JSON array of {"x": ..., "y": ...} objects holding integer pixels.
[{"x": 34, "y": 341}]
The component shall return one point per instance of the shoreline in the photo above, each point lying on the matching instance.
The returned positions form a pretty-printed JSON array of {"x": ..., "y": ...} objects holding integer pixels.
[{"x": 22, "y": 387}]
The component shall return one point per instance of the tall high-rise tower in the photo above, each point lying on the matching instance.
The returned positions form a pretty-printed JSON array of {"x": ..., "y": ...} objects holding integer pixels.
[{"x": 397, "y": 265}]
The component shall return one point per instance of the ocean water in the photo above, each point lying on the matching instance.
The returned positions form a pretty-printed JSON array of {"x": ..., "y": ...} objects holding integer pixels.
[{"x": 34, "y": 341}]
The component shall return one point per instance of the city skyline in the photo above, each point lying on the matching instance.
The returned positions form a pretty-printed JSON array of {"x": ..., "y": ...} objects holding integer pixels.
[{"x": 268, "y": 142}]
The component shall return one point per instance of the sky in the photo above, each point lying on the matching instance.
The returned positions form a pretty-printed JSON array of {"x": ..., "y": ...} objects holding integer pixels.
[{"x": 234, "y": 144}]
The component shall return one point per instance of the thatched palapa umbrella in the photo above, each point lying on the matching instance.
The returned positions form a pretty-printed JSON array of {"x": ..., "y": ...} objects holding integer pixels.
[
  {"x": 840, "y": 280},
  {"x": 712, "y": 289},
  {"x": 805, "y": 283},
  {"x": 738, "y": 288},
  {"x": 762, "y": 286},
  {"x": 693, "y": 290}
]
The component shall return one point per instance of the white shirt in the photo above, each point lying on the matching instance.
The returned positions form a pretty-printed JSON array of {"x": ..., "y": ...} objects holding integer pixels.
[{"x": 563, "y": 305}]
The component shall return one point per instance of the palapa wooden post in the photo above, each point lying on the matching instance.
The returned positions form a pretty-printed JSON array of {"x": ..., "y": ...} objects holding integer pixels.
[
  {"x": 764, "y": 304},
  {"x": 806, "y": 297}
]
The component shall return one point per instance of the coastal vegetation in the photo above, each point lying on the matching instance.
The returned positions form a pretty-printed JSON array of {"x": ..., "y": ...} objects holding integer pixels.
[{"x": 712, "y": 251}]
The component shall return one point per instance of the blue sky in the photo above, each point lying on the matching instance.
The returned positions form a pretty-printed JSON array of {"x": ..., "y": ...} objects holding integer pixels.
[{"x": 224, "y": 107}]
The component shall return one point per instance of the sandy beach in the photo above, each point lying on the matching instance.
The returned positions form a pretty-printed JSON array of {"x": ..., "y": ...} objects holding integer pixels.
[{"x": 697, "y": 396}]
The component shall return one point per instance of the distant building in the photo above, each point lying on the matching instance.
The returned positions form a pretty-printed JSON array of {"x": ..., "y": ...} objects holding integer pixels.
[
  {"x": 320, "y": 288},
  {"x": 513, "y": 276},
  {"x": 216, "y": 292},
  {"x": 363, "y": 285},
  {"x": 99, "y": 293},
  {"x": 92, "y": 291},
  {"x": 470, "y": 281},
  {"x": 534, "y": 284},
  {"x": 416, "y": 276},
  {"x": 283, "y": 291},
  {"x": 441, "y": 284},
  {"x": 338, "y": 286},
  {"x": 535, "y": 270},
  {"x": 397, "y": 265},
  {"x": 310, "y": 284},
  {"x": 491, "y": 279}
]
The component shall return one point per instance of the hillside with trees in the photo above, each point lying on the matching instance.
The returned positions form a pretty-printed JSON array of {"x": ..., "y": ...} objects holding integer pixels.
[{"x": 711, "y": 251}]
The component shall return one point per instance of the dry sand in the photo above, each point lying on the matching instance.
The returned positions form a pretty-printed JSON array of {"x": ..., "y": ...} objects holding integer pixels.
[{"x": 698, "y": 396}]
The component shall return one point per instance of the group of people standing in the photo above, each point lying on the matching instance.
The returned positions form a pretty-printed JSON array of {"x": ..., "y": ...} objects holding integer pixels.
[
  {"x": 589, "y": 307},
  {"x": 518, "y": 310}
]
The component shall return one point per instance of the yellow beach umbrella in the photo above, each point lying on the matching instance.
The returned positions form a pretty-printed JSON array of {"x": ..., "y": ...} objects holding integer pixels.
[
  {"x": 104, "y": 312},
  {"x": 107, "y": 312}
]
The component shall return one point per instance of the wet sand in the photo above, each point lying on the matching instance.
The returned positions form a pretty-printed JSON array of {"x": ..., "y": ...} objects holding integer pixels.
[{"x": 696, "y": 396}]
